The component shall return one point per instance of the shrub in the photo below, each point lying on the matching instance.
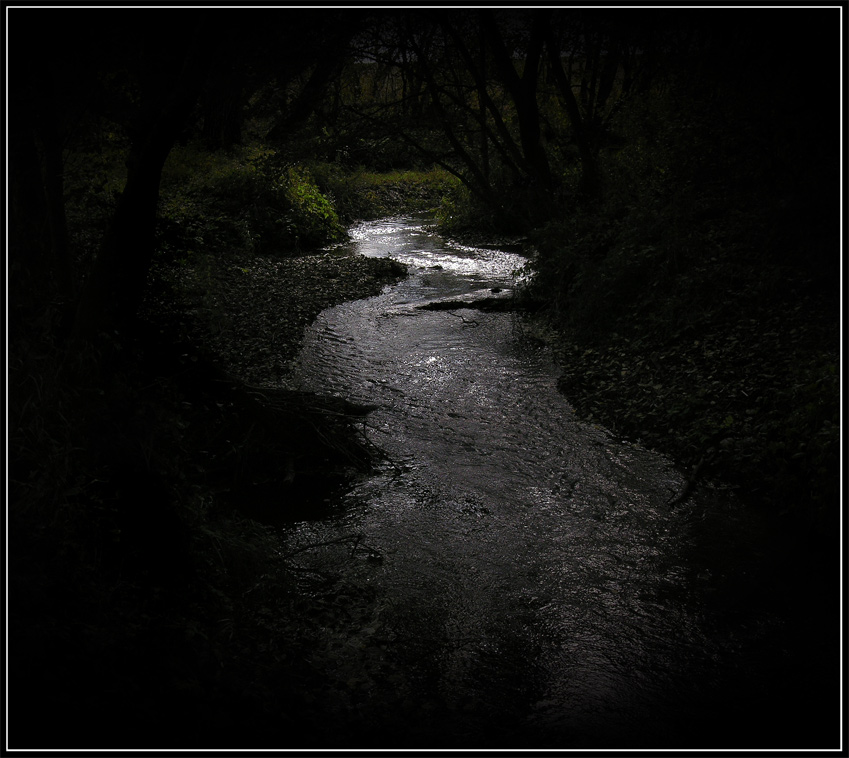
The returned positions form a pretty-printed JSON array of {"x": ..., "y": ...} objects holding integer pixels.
[
  {"x": 249, "y": 200},
  {"x": 310, "y": 217}
]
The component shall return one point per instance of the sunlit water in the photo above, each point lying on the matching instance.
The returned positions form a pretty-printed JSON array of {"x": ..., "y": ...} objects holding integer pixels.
[{"x": 533, "y": 588}]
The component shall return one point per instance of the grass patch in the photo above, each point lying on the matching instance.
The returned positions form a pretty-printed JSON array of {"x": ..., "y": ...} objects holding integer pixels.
[{"x": 363, "y": 195}]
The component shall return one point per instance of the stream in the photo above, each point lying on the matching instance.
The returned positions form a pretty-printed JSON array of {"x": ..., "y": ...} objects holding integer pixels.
[{"x": 523, "y": 582}]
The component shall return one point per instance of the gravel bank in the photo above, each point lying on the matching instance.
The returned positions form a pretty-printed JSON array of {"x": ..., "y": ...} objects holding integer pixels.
[{"x": 249, "y": 314}]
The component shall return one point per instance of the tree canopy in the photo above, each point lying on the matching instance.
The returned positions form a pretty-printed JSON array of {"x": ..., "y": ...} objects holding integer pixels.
[{"x": 522, "y": 106}]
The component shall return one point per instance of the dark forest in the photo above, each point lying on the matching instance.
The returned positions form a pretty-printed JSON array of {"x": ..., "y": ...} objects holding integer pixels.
[{"x": 181, "y": 189}]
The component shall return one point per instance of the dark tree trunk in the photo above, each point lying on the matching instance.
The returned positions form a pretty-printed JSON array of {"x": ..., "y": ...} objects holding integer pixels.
[
  {"x": 523, "y": 92},
  {"x": 476, "y": 181},
  {"x": 54, "y": 190},
  {"x": 112, "y": 293},
  {"x": 40, "y": 236},
  {"x": 482, "y": 98},
  {"x": 328, "y": 67},
  {"x": 499, "y": 134},
  {"x": 28, "y": 229},
  {"x": 590, "y": 184},
  {"x": 223, "y": 111}
]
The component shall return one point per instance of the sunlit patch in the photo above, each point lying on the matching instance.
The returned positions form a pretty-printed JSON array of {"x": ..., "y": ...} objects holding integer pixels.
[
  {"x": 542, "y": 498},
  {"x": 419, "y": 247},
  {"x": 432, "y": 370}
]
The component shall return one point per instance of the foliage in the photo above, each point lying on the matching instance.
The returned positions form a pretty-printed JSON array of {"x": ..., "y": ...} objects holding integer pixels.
[
  {"x": 462, "y": 212},
  {"x": 692, "y": 308},
  {"x": 311, "y": 218},
  {"x": 684, "y": 322},
  {"x": 248, "y": 200},
  {"x": 363, "y": 194}
]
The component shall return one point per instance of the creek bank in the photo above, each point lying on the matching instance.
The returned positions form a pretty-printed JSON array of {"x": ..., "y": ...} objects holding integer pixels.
[
  {"x": 238, "y": 324},
  {"x": 248, "y": 313},
  {"x": 155, "y": 597},
  {"x": 747, "y": 396}
]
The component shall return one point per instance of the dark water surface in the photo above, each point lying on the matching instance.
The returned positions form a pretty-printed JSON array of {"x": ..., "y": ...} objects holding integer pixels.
[{"x": 529, "y": 586}]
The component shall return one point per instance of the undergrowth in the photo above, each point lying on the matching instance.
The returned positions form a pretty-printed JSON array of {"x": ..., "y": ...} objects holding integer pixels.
[
  {"x": 139, "y": 567},
  {"x": 249, "y": 200},
  {"x": 363, "y": 195},
  {"x": 701, "y": 317}
]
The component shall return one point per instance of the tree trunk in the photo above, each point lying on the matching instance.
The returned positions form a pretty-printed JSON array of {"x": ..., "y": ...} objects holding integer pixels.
[
  {"x": 482, "y": 98},
  {"x": 54, "y": 190},
  {"x": 498, "y": 135},
  {"x": 328, "y": 67},
  {"x": 37, "y": 182},
  {"x": 523, "y": 92},
  {"x": 222, "y": 111},
  {"x": 112, "y": 293},
  {"x": 29, "y": 244},
  {"x": 590, "y": 184}
]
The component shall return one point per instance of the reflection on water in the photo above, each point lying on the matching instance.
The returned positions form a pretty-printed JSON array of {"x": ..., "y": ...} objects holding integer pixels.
[{"x": 534, "y": 588}]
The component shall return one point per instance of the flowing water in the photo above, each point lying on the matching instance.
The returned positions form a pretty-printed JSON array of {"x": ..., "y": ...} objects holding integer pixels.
[{"x": 527, "y": 584}]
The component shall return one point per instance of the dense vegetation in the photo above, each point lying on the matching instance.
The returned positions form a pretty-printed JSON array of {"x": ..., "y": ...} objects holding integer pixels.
[
  {"x": 675, "y": 183},
  {"x": 699, "y": 300}
]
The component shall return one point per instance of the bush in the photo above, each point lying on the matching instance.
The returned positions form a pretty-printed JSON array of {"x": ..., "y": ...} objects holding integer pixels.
[
  {"x": 522, "y": 206},
  {"x": 249, "y": 200},
  {"x": 310, "y": 217},
  {"x": 461, "y": 212},
  {"x": 690, "y": 319}
]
